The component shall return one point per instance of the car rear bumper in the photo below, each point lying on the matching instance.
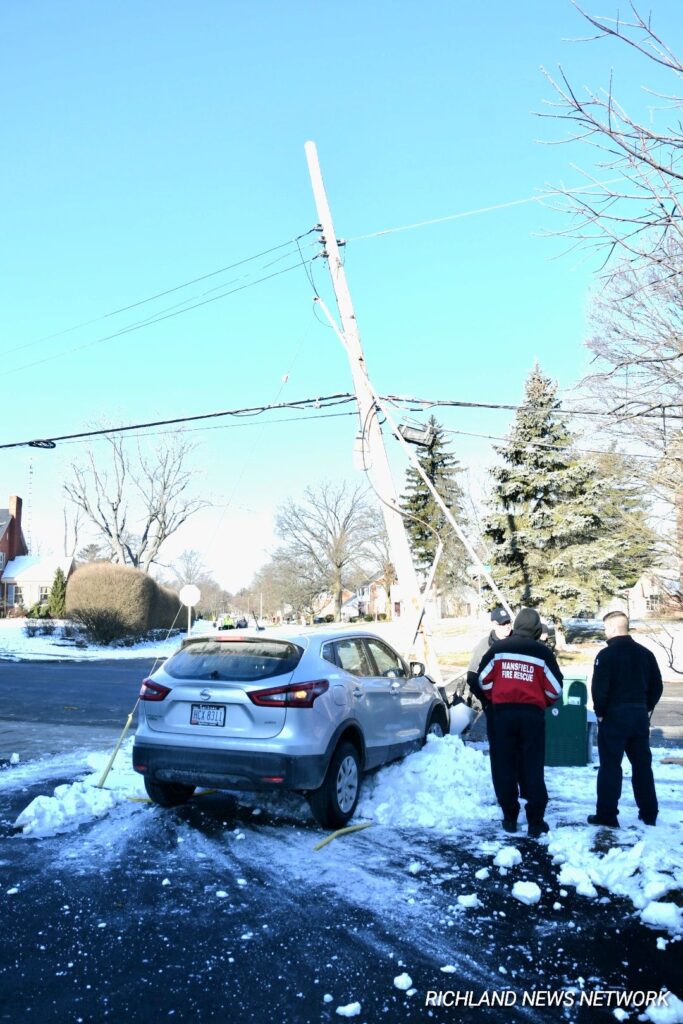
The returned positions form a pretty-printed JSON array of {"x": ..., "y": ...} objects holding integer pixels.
[{"x": 229, "y": 769}]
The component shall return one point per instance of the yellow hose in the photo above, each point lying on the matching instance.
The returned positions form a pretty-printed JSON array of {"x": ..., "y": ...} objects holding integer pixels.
[{"x": 342, "y": 832}]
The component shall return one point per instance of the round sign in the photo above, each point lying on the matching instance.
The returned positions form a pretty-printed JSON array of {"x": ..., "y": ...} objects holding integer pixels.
[{"x": 190, "y": 595}]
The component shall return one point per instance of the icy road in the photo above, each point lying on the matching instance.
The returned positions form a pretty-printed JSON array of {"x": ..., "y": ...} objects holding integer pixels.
[{"x": 113, "y": 909}]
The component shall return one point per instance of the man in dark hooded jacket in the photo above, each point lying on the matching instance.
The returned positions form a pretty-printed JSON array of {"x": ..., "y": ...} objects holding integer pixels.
[{"x": 521, "y": 678}]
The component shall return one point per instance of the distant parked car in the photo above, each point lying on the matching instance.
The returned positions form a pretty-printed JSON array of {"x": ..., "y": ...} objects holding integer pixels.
[
  {"x": 548, "y": 636},
  {"x": 581, "y": 629},
  {"x": 307, "y": 713}
]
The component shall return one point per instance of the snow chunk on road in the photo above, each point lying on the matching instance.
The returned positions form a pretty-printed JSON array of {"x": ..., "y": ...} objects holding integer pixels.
[
  {"x": 666, "y": 916},
  {"x": 14, "y": 758},
  {"x": 672, "y": 1013},
  {"x": 508, "y": 857},
  {"x": 448, "y": 969},
  {"x": 73, "y": 804},
  {"x": 441, "y": 786},
  {"x": 403, "y": 981},
  {"x": 577, "y": 877},
  {"x": 470, "y": 901},
  {"x": 482, "y": 874},
  {"x": 526, "y": 892},
  {"x": 350, "y": 1010}
]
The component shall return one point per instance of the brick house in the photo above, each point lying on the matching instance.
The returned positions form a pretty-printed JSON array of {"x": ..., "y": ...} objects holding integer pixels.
[{"x": 12, "y": 541}]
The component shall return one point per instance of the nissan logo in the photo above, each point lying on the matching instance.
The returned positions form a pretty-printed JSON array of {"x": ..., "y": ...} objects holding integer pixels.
[{"x": 205, "y": 694}]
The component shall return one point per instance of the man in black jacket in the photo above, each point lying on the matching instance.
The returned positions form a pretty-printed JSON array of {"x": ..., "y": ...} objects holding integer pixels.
[{"x": 626, "y": 686}]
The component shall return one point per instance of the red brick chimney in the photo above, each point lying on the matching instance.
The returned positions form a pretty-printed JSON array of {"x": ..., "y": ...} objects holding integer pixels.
[{"x": 17, "y": 545}]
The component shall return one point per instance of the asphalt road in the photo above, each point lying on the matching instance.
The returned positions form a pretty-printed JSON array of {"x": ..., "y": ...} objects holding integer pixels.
[{"x": 48, "y": 707}]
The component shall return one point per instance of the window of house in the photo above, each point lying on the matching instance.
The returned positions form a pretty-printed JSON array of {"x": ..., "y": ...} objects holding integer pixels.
[
  {"x": 2, "y": 559},
  {"x": 44, "y": 594},
  {"x": 18, "y": 595},
  {"x": 653, "y": 602}
]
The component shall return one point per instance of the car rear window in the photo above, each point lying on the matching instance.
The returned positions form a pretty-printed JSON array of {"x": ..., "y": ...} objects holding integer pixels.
[{"x": 238, "y": 660}]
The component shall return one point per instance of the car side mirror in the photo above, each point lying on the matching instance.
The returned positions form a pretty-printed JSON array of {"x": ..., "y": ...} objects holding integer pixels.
[{"x": 417, "y": 668}]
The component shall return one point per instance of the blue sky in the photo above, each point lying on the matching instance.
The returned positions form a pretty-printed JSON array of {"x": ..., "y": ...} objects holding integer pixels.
[{"x": 148, "y": 144}]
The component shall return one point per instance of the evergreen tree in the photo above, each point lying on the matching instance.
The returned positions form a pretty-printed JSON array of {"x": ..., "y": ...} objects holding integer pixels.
[
  {"x": 567, "y": 532},
  {"x": 56, "y": 601},
  {"x": 441, "y": 468}
]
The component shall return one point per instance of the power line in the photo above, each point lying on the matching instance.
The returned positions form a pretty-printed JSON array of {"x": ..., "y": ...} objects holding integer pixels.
[
  {"x": 148, "y": 323},
  {"x": 323, "y": 402},
  {"x": 167, "y": 291},
  {"x": 320, "y": 402},
  {"x": 555, "y": 447},
  {"x": 650, "y": 412},
  {"x": 481, "y": 209}
]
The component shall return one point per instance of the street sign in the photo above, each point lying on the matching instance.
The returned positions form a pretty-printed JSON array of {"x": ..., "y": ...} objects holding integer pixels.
[{"x": 190, "y": 595}]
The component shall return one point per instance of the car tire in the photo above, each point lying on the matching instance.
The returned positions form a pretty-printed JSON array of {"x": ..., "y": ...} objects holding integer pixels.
[
  {"x": 168, "y": 794},
  {"x": 334, "y": 803},
  {"x": 437, "y": 724}
]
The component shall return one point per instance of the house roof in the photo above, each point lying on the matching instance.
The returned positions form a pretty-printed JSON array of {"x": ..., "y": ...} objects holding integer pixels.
[{"x": 34, "y": 569}]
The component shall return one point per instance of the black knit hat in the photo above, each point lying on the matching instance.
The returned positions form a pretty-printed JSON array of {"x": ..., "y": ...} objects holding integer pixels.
[
  {"x": 500, "y": 616},
  {"x": 527, "y": 623}
]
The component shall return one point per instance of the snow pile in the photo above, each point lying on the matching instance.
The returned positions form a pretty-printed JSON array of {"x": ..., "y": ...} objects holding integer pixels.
[
  {"x": 73, "y": 804},
  {"x": 644, "y": 871},
  {"x": 403, "y": 981},
  {"x": 16, "y": 646},
  {"x": 526, "y": 892},
  {"x": 441, "y": 786},
  {"x": 672, "y": 1013}
]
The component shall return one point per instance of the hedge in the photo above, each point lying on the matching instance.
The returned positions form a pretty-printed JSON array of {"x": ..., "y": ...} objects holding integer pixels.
[{"x": 113, "y": 601}]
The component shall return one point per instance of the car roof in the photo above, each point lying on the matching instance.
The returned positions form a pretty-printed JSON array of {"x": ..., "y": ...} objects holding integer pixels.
[{"x": 294, "y": 636}]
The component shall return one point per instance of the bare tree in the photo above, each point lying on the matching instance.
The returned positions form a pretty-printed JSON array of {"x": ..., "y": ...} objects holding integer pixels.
[
  {"x": 331, "y": 531},
  {"x": 137, "y": 503},
  {"x": 189, "y": 568},
  {"x": 640, "y": 208}
]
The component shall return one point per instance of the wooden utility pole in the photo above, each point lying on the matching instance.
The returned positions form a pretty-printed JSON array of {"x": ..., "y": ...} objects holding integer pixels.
[{"x": 378, "y": 468}]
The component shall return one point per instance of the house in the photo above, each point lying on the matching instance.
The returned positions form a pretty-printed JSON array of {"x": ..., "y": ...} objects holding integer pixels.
[
  {"x": 655, "y": 594},
  {"x": 12, "y": 541},
  {"x": 27, "y": 580}
]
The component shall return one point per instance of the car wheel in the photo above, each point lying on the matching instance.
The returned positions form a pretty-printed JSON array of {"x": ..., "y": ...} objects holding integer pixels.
[
  {"x": 335, "y": 801},
  {"x": 168, "y": 794},
  {"x": 437, "y": 725}
]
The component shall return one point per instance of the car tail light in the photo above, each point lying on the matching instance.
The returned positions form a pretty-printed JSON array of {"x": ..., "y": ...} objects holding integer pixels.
[
  {"x": 296, "y": 695},
  {"x": 153, "y": 691}
]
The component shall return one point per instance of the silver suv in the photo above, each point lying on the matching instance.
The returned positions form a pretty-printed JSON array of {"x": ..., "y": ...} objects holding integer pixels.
[{"x": 298, "y": 712}]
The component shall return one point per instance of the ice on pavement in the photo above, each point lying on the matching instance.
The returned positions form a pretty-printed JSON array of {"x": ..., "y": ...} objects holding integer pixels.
[
  {"x": 446, "y": 786},
  {"x": 526, "y": 892},
  {"x": 403, "y": 981},
  {"x": 469, "y": 901}
]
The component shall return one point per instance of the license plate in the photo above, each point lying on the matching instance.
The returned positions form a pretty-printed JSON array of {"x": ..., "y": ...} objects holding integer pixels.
[{"x": 208, "y": 714}]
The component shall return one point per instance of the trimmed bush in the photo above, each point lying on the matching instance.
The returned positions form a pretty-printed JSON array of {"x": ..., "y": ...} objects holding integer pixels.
[{"x": 113, "y": 602}]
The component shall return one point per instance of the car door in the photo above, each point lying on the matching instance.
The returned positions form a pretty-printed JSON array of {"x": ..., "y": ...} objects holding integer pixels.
[
  {"x": 371, "y": 699},
  {"x": 410, "y": 702}
]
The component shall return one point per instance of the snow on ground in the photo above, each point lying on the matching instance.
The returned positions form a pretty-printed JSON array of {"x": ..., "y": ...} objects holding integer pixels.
[
  {"x": 446, "y": 786},
  {"x": 78, "y": 802},
  {"x": 16, "y": 646}
]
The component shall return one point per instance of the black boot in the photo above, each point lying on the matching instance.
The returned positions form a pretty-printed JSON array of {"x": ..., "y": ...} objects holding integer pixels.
[
  {"x": 537, "y": 829},
  {"x": 510, "y": 824},
  {"x": 596, "y": 819}
]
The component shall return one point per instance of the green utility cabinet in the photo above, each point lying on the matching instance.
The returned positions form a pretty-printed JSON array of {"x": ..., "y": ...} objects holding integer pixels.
[{"x": 566, "y": 727}]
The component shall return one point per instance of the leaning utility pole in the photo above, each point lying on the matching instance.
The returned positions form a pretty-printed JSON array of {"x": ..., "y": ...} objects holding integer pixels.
[{"x": 372, "y": 443}]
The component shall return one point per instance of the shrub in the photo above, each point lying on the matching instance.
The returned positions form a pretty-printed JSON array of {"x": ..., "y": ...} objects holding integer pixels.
[
  {"x": 114, "y": 601},
  {"x": 47, "y": 627},
  {"x": 368, "y": 618},
  {"x": 31, "y": 627},
  {"x": 382, "y": 616},
  {"x": 56, "y": 602},
  {"x": 329, "y": 618}
]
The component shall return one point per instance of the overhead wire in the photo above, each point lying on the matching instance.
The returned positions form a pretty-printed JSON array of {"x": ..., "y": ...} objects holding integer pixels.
[
  {"x": 162, "y": 294},
  {"x": 147, "y": 323}
]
